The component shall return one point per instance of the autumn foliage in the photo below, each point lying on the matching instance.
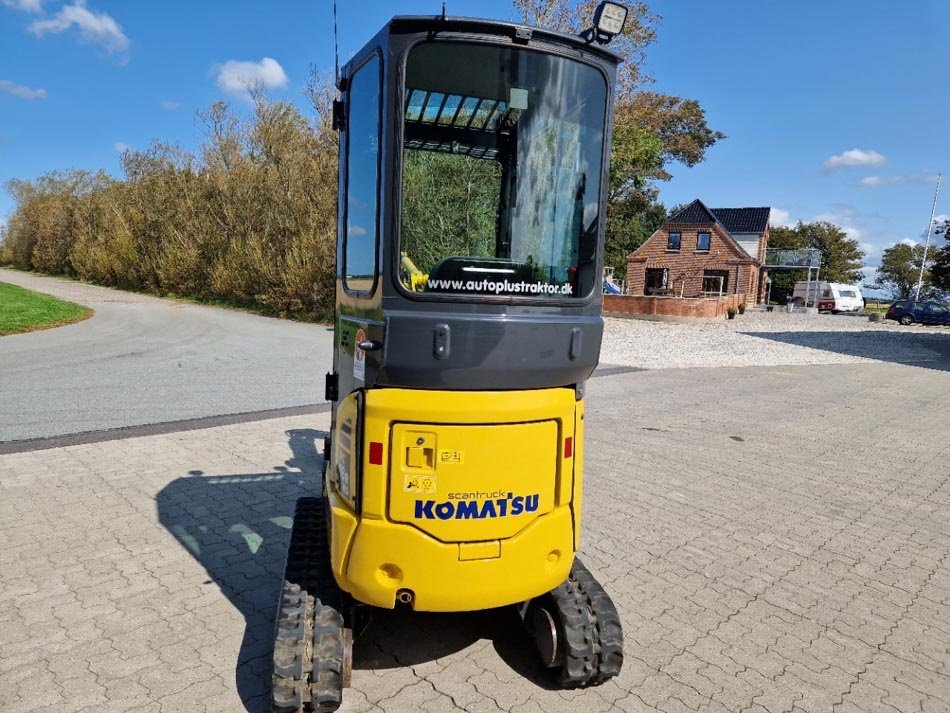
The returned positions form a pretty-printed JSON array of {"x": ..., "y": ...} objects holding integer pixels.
[{"x": 249, "y": 220}]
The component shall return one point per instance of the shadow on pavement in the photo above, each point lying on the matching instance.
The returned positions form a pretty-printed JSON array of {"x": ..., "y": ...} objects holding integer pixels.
[
  {"x": 238, "y": 526},
  {"x": 931, "y": 351},
  {"x": 401, "y": 638}
]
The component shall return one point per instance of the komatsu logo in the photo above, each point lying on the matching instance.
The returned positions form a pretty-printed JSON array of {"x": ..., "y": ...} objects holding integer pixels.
[{"x": 474, "y": 506}]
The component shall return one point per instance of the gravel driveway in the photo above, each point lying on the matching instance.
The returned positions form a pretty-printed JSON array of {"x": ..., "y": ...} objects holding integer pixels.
[{"x": 769, "y": 339}]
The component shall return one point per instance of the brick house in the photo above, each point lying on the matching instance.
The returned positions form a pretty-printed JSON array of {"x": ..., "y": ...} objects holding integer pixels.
[{"x": 701, "y": 252}]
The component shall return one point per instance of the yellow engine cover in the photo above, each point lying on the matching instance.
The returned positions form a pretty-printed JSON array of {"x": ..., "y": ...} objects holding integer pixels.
[
  {"x": 473, "y": 483},
  {"x": 466, "y": 500}
]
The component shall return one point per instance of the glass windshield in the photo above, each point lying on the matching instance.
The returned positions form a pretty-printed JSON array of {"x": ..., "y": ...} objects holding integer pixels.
[{"x": 501, "y": 172}]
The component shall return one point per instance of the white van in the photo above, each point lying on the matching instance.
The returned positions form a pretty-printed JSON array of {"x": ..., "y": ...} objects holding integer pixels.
[{"x": 831, "y": 296}]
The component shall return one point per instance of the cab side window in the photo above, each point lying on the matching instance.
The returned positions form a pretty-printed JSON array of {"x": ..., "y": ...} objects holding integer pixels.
[{"x": 362, "y": 179}]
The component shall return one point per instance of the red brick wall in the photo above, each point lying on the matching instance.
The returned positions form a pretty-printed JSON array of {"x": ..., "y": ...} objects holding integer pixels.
[
  {"x": 671, "y": 306},
  {"x": 686, "y": 266}
]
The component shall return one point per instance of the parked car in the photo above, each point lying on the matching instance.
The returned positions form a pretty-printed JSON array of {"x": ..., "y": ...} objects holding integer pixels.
[
  {"x": 923, "y": 312},
  {"x": 828, "y": 296}
]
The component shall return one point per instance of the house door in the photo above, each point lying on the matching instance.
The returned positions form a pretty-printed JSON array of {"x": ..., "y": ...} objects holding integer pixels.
[{"x": 656, "y": 280}]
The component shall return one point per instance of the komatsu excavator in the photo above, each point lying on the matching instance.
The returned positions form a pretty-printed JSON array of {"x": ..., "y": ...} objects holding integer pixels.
[{"x": 472, "y": 199}]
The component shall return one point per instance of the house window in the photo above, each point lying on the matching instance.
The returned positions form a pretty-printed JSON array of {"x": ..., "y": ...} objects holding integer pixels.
[
  {"x": 716, "y": 281},
  {"x": 656, "y": 280},
  {"x": 673, "y": 242},
  {"x": 702, "y": 242}
]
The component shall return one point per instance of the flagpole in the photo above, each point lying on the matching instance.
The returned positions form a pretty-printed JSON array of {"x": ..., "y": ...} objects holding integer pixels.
[{"x": 930, "y": 225}]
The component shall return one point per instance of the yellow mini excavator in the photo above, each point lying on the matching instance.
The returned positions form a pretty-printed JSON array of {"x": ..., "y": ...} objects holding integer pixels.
[{"x": 473, "y": 172}]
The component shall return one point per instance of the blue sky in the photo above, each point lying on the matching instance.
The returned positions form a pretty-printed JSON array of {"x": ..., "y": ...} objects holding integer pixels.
[{"x": 833, "y": 110}]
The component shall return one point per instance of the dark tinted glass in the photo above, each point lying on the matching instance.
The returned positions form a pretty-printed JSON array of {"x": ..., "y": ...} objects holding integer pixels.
[
  {"x": 673, "y": 243},
  {"x": 702, "y": 241},
  {"x": 359, "y": 266}
]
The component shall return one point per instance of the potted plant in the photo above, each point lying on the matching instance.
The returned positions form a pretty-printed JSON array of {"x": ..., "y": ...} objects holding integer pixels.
[
  {"x": 742, "y": 308},
  {"x": 731, "y": 313}
]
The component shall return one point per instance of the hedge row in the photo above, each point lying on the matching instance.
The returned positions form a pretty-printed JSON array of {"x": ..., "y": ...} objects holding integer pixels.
[{"x": 251, "y": 219}]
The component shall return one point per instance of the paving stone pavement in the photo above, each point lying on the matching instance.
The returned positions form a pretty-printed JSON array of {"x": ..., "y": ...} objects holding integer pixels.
[{"x": 776, "y": 539}]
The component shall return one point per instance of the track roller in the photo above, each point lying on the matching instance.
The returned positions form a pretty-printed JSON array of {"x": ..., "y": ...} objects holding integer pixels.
[
  {"x": 577, "y": 630},
  {"x": 312, "y": 645}
]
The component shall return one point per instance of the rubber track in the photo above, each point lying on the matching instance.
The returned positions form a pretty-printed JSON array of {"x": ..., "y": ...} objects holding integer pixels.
[
  {"x": 592, "y": 633},
  {"x": 607, "y": 623},
  {"x": 308, "y": 645}
]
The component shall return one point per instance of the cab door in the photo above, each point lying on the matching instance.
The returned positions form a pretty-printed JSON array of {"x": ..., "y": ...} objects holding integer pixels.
[{"x": 359, "y": 315}]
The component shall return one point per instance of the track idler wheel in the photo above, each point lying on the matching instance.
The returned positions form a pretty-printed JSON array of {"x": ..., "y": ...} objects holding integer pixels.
[
  {"x": 577, "y": 630},
  {"x": 312, "y": 645}
]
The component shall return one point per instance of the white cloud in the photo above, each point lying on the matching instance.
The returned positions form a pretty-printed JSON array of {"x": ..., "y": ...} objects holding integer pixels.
[
  {"x": 894, "y": 180},
  {"x": 25, "y": 5},
  {"x": 868, "y": 249},
  {"x": 120, "y": 147},
  {"x": 854, "y": 157},
  {"x": 779, "y": 217},
  {"x": 94, "y": 28},
  {"x": 844, "y": 220},
  {"x": 237, "y": 77},
  {"x": 169, "y": 105},
  {"x": 18, "y": 90},
  {"x": 909, "y": 241}
]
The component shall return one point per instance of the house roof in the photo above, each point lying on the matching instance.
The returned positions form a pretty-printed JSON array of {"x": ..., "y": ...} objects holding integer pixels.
[
  {"x": 734, "y": 220},
  {"x": 695, "y": 212},
  {"x": 743, "y": 220}
]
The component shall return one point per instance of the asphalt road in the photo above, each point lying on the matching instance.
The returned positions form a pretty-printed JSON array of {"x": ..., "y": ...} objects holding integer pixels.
[{"x": 142, "y": 360}]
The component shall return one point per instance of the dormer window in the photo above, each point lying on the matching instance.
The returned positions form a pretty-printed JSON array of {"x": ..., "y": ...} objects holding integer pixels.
[
  {"x": 702, "y": 242},
  {"x": 673, "y": 242}
]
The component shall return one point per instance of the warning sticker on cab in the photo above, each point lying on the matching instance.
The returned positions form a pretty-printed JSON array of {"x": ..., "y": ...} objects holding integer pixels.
[
  {"x": 450, "y": 456},
  {"x": 420, "y": 484},
  {"x": 359, "y": 357}
]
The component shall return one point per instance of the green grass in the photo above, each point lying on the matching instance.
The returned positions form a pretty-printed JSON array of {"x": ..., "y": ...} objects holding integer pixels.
[{"x": 25, "y": 311}]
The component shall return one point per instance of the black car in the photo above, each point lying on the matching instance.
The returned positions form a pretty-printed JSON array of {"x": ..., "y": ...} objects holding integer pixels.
[{"x": 923, "y": 312}]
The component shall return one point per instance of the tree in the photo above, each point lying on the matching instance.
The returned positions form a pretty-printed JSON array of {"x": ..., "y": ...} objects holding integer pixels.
[
  {"x": 651, "y": 129},
  {"x": 841, "y": 256},
  {"x": 940, "y": 269},
  {"x": 900, "y": 270}
]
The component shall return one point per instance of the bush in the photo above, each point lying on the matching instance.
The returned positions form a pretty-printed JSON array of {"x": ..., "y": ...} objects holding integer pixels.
[
  {"x": 6, "y": 253},
  {"x": 250, "y": 220}
]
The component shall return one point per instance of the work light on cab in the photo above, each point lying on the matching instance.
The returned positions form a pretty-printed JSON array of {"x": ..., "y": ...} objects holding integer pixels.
[{"x": 609, "y": 19}]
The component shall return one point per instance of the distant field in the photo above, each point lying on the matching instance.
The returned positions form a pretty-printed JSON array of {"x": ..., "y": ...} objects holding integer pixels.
[{"x": 24, "y": 311}]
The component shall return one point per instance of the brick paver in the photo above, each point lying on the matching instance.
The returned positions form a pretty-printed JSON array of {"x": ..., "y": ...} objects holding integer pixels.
[{"x": 776, "y": 539}]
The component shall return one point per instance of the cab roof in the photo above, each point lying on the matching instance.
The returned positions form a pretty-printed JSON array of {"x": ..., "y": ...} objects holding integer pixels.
[{"x": 437, "y": 23}]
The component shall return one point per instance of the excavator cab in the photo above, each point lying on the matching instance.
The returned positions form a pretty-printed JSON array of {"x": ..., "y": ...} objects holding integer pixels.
[{"x": 473, "y": 171}]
